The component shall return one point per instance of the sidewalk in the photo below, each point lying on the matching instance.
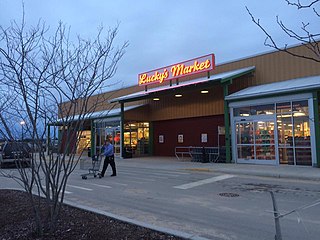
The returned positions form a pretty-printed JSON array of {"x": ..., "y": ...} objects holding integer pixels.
[{"x": 281, "y": 171}]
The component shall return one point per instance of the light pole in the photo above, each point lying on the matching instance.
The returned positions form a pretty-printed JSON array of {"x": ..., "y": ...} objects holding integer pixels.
[{"x": 22, "y": 123}]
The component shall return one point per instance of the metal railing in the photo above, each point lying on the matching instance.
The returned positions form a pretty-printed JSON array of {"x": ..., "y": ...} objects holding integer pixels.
[
  {"x": 198, "y": 154},
  {"x": 182, "y": 151}
]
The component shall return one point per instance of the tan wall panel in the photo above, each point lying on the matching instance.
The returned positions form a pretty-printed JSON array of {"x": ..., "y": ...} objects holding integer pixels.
[
  {"x": 192, "y": 104},
  {"x": 138, "y": 114},
  {"x": 275, "y": 66},
  {"x": 270, "y": 67},
  {"x": 100, "y": 102}
]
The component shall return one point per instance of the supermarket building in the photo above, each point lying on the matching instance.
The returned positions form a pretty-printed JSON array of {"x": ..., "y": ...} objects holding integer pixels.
[{"x": 261, "y": 110}]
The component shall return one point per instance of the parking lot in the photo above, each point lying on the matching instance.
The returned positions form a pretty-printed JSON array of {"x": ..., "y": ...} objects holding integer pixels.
[{"x": 196, "y": 199}]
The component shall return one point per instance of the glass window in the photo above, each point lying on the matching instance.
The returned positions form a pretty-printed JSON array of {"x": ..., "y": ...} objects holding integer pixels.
[
  {"x": 264, "y": 133},
  {"x": 294, "y": 133},
  {"x": 136, "y": 137},
  {"x": 301, "y": 131},
  {"x": 265, "y": 152},
  {"x": 255, "y": 139},
  {"x": 263, "y": 109},
  {"x": 303, "y": 156},
  {"x": 242, "y": 112},
  {"x": 286, "y": 156},
  {"x": 246, "y": 152},
  {"x": 264, "y": 139},
  {"x": 300, "y": 108},
  {"x": 284, "y": 130},
  {"x": 284, "y": 108},
  {"x": 254, "y": 110},
  {"x": 245, "y": 133}
]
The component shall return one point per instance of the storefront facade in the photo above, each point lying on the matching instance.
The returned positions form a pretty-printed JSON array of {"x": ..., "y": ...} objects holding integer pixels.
[
  {"x": 264, "y": 120},
  {"x": 274, "y": 130}
]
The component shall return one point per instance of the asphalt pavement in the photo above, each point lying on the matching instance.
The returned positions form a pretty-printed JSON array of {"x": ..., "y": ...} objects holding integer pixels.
[{"x": 170, "y": 163}]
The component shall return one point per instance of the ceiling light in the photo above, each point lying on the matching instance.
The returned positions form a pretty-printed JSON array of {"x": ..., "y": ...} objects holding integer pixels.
[
  {"x": 178, "y": 95},
  {"x": 156, "y": 99},
  {"x": 204, "y": 91},
  {"x": 299, "y": 114}
]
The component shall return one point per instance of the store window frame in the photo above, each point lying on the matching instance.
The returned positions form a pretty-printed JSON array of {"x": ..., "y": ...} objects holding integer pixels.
[
  {"x": 255, "y": 144},
  {"x": 102, "y": 128},
  {"x": 137, "y": 138},
  {"x": 263, "y": 101},
  {"x": 295, "y": 142}
]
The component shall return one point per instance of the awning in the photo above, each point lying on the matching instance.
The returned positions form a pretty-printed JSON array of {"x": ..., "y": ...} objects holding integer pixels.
[
  {"x": 283, "y": 87},
  {"x": 101, "y": 114},
  {"x": 220, "y": 77}
]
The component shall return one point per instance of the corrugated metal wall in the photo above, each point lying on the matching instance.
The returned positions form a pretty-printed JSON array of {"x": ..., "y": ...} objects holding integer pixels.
[
  {"x": 270, "y": 67},
  {"x": 191, "y": 104},
  {"x": 276, "y": 66}
]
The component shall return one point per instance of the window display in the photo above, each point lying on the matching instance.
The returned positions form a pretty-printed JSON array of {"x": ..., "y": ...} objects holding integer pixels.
[
  {"x": 255, "y": 140},
  {"x": 294, "y": 133},
  {"x": 136, "y": 138},
  {"x": 283, "y": 133}
]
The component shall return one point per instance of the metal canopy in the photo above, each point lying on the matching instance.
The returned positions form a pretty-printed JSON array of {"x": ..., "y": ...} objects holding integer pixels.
[
  {"x": 288, "y": 86},
  {"x": 101, "y": 114},
  {"x": 216, "y": 78}
]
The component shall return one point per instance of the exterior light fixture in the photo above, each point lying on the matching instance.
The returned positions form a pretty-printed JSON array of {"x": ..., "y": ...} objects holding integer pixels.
[
  {"x": 204, "y": 91},
  {"x": 22, "y": 123},
  {"x": 156, "y": 99},
  {"x": 178, "y": 95}
]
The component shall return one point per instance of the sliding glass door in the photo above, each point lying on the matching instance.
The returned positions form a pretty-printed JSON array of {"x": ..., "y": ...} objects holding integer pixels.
[{"x": 255, "y": 140}]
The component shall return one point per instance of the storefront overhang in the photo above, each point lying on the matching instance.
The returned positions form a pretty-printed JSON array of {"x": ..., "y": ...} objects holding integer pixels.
[
  {"x": 109, "y": 113},
  {"x": 284, "y": 92},
  {"x": 220, "y": 78},
  {"x": 284, "y": 87}
]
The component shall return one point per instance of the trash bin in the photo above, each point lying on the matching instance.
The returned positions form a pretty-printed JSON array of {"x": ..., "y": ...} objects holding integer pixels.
[
  {"x": 127, "y": 152},
  {"x": 205, "y": 158},
  {"x": 89, "y": 151}
]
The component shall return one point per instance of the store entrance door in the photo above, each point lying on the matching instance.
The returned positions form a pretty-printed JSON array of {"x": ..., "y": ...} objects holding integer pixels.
[
  {"x": 113, "y": 133},
  {"x": 255, "y": 140}
]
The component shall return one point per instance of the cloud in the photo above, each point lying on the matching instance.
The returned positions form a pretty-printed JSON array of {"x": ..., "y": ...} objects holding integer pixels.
[{"x": 163, "y": 32}]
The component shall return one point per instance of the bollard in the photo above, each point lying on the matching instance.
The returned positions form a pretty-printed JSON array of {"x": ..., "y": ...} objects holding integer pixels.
[{"x": 276, "y": 214}]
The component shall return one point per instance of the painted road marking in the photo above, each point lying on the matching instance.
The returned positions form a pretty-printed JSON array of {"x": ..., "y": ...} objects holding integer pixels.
[
  {"x": 153, "y": 174},
  {"x": 204, "y": 181},
  {"x": 65, "y": 191},
  {"x": 98, "y": 185},
  {"x": 87, "y": 189}
]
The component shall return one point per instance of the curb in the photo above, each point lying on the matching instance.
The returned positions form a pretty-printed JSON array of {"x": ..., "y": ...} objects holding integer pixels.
[
  {"x": 270, "y": 175},
  {"x": 135, "y": 222}
]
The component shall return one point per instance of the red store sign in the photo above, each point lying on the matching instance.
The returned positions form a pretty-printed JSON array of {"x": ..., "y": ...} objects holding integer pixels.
[{"x": 190, "y": 67}]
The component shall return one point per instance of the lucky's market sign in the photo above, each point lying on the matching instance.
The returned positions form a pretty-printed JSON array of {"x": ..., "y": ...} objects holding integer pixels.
[{"x": 193, "y": 66}]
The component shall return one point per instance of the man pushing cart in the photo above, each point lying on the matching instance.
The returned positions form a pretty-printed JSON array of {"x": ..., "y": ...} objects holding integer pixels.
[{"x": 107, "y": 152}]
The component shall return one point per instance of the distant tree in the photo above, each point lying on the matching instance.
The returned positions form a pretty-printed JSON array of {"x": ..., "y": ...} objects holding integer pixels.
[
  {"x": 301, "y": 34},
  {"x": 39, "y": 73}
]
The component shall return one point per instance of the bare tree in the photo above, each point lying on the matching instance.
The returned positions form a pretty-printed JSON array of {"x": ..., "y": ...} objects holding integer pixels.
[
  {"x": 50, "y": 80},
  {"x": 301, "y": 34}
]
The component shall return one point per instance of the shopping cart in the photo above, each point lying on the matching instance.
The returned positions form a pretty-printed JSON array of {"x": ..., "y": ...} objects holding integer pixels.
[{"x": 93, "y": 170}]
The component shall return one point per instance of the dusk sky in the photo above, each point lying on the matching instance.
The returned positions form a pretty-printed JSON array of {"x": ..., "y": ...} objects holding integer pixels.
[{"x": 163, "y": 32}]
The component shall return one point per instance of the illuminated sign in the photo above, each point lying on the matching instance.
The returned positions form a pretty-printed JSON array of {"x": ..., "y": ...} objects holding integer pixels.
[{"x": 193, "y": 66}]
